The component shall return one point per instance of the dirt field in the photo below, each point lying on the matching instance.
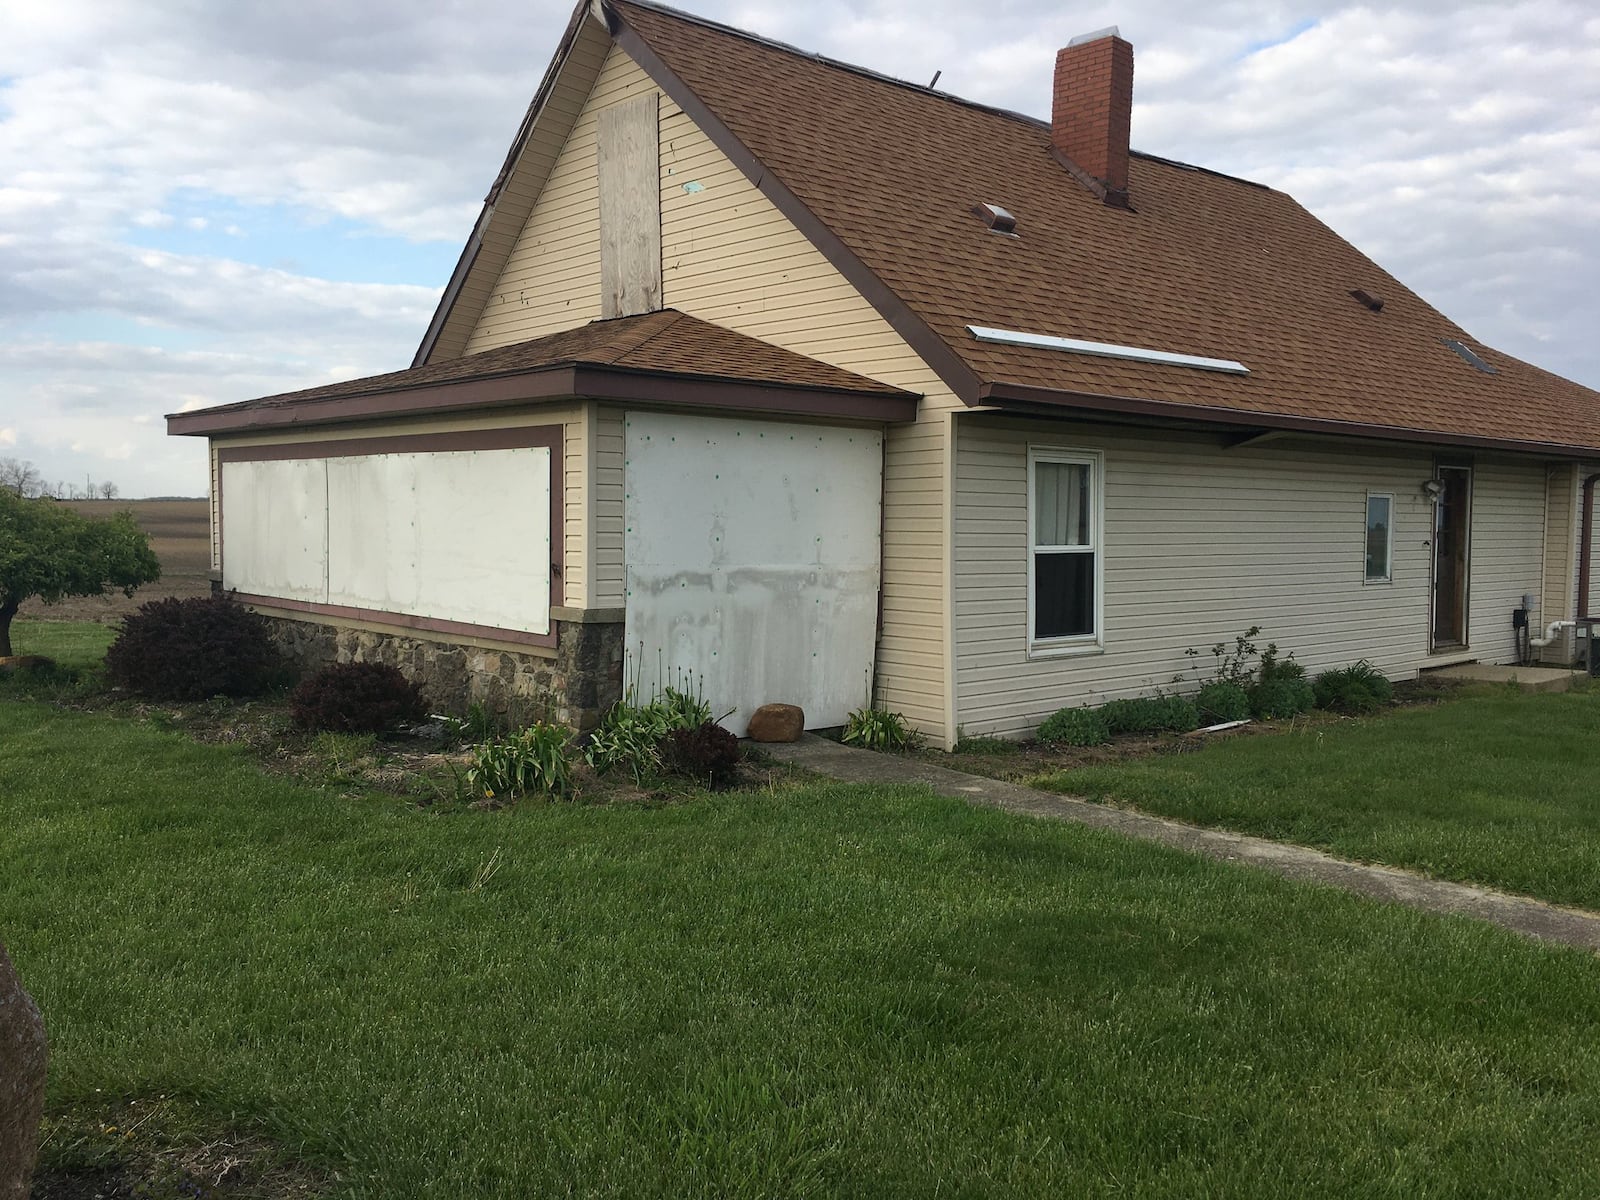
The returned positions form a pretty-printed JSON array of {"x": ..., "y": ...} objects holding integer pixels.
[{"x": 180, "y": 535}]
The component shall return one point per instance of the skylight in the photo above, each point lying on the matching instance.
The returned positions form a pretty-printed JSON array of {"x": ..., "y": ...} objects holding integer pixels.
[
  {"x": 1468, "y": 356},
  {"x": 1012, "y": 337}
]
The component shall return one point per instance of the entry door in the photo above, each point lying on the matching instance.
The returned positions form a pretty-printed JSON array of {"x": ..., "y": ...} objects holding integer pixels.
[{"x": 1452, "y": 538}]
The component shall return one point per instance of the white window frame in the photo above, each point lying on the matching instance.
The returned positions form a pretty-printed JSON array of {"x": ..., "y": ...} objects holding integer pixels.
[
  {"x": 1094, "y": 641},
  {"x": 1388, "y": 556}
]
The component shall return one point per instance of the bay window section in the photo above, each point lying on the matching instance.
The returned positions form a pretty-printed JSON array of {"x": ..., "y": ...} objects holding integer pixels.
[{"x": 1064, "y": 513}]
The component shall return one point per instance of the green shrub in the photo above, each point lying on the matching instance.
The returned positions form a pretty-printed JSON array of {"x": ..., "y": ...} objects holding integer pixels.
[
  {"x": 190, "y": 649},
  {"x": 1150, "y": 714},
  {"x": 1286, "y": 695},
  {"x": 1355, "y": 689},
  {"x": 356, "y": 698},
  {"x": 628, "y": 736},
  {"x": 983, "y": 745},
  {"x": 682, "y": 710},
  {"x": 707, "y": 754},
  {"x": 1222, "y": 700},
  {"x": 876, "y": 729},
  {"x": 1074, "y": 727},
  {"x": 534, "y": 760}
]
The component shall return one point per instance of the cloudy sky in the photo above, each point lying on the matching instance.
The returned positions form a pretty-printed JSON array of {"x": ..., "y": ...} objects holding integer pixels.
[{"x": 207, "y": 200}]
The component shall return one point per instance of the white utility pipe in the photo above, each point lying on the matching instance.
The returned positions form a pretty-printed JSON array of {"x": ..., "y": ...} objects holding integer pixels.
[{"x": 1551, "y": 631}]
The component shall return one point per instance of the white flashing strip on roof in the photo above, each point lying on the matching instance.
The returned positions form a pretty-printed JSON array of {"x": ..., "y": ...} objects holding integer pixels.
[{"x": 1012, "y": 337}]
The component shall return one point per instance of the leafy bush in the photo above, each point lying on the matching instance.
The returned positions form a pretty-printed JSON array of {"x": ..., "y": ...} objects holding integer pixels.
[
  {"x": 1285, "y": 695},
  {"x": 1222, "y": 700},
  {"x": 708, "y": 754},
  {"x": 1074, "y": 727},
  {"x": 631, "y": 734},
  {"x": 983, "y": 745},
  {"x": 1156, "y": 714},
  {"x": 682, "y": 710},
  {"x": 356, "y": 698},
  {"x": 534, "y": 760},
  {"x": 1273, "y": 669},
  {"x": 190, "y": 649},
  {"x": 876, "y": 729},
  {"x": 1356, "y": 689}
]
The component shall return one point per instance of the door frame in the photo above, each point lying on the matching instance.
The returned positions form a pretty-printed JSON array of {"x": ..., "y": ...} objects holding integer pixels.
[{"x": 1440, "y": 467}]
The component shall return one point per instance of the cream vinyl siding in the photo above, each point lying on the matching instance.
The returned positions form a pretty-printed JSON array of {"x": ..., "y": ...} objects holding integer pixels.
[
  {"x": 730, "y": 257},
  {"x": 575, "y": 573},
  {"x": 1201, "y": 543}
]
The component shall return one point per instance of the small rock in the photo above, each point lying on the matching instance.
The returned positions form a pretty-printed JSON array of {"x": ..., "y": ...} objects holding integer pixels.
[
  {"x": 22, "y": 1062},
  {"x": 777, "y": 723}
]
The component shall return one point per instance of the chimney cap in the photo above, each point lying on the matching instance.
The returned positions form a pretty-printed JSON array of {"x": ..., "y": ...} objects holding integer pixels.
[{"x": 1084, "y": 38}]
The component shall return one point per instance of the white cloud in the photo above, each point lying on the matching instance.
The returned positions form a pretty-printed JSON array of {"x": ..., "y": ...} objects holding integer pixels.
[{"x": 1455, "y": 143}]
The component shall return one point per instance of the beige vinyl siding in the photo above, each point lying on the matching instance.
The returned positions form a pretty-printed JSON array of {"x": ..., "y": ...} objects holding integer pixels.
[
  {"x": 212, "y": 497},
  {"x": 609, "y": 500},
  {"x": 729, "y": 256},
  {"x": 1200, "y": 543},
  {"x": 1508, "y": 528},
  {"x": 1558, "y": 592},
  {"x": 574, "y": 472}
]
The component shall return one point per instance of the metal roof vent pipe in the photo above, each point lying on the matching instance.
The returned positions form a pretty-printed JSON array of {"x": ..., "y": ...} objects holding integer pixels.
[{"x": 1092, "y": 111}]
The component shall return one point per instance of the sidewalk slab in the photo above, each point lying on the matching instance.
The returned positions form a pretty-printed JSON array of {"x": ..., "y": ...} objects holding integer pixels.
[{"x": 1520, "y": 914}]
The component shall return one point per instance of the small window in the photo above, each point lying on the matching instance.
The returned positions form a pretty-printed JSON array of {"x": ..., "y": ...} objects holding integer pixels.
[
  {"x": 1064, "y": 586},
  {"x": 1380, "y": 537}
]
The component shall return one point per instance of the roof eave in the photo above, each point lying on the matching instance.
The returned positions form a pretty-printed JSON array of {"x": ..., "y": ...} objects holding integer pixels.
[
  {"x": 561, "y": 382},
  {"x": 1024, "y": 399}
]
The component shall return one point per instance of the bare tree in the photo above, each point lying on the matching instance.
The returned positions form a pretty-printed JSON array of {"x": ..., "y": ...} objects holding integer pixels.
[
  {"x": 108, "y": 490},
  {"x": 20, "y": 477}
]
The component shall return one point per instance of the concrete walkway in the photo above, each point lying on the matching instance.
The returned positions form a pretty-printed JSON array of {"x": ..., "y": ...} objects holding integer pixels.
[
  {"x": 1530, "y": 679},
  {"x": 1533, "y": 918}
]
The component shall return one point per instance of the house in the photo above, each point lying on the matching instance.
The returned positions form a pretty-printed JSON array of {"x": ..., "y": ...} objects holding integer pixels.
[{"x": 802, "y": 383}]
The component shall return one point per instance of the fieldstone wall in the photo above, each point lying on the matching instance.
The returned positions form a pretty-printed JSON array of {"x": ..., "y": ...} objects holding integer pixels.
[{"x": 573, "y": 689}]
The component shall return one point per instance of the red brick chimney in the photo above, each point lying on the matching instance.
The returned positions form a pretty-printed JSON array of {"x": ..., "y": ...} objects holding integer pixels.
[{"x": 1093, "y": 109}]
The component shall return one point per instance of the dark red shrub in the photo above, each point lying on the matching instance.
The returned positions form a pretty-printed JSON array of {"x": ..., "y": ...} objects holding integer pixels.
[
  {"x": 356, "y": 698},
  {"x": 707, "y": 754},
  {"x": 190, "y": 649}
]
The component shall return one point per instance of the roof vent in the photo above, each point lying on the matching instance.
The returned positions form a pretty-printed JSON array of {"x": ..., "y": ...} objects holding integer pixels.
[
  {"x": 997, "y": 219},
  {"x": 1375, "y": 303},
  {"x": 1468, "y": 356}
]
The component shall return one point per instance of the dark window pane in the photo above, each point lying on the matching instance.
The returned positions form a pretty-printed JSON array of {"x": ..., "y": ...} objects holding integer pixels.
[{"x": 1063, "y": 595}]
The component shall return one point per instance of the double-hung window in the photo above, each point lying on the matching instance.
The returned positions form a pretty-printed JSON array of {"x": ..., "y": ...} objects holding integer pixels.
[{"x": 1065, "y": 568}]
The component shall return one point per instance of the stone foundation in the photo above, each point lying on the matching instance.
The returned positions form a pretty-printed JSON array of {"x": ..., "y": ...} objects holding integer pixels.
[{"x": 573, "y": 688}]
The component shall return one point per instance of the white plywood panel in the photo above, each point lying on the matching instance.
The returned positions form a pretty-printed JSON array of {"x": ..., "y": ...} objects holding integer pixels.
[
  {"x": 752, "y": 550},
  {"x": 454, "y": 535},
  {"x": 274, "y": 528}
]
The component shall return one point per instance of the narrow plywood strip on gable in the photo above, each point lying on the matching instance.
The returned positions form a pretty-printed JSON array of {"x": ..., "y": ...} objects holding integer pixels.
[{"x": 629, "y": 164}]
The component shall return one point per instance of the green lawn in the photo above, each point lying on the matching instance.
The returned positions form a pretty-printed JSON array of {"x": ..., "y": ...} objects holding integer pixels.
[
  {"x": 828, "y": 992},
  {"x": 1501, "y": 789},
  {"x": 73, "y": 644}
]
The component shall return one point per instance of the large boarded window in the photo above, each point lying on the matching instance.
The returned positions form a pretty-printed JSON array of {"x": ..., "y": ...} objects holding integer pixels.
[
  {"x": 1064, "y": 536},
  {"x": 451, "y": 533}
]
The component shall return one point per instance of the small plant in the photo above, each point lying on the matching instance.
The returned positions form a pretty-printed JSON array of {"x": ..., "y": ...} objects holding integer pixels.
[
  {"x": 1286, "y": 695},
  {"x": 1158, "y": 714},
  {"x": 532, "y": 761},
  {"x": 190, "y": 649},
  {"x": 356, "y": 698},
  {"x": 708, "y": 754},
  {"x": 879, "y": 729},
  {"x": 983, "y": 745},
  {"x": 1222, "y": 700},
  {"x": 1361, "y": 688},
  {"x": 628, "y": 736},
  {"x": 1074, "y": 727},
  {"x": 682, "y": 710}
]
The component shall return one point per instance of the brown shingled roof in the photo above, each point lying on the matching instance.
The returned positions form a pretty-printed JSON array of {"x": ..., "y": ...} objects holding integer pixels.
[
  {"x": 690, "y": 361},
  {"x": 889, "y": 172}
]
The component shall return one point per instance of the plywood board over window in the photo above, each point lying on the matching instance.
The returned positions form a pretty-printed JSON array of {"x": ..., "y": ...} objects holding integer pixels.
[
  {"x": 629, "y": 162},
  {"x": 452, "y": 533}
]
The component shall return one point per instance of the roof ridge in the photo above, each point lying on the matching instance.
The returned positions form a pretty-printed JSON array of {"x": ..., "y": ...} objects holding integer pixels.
[
  {"x": 878, "y": 76},
  {"x": 675, "y": 314}
]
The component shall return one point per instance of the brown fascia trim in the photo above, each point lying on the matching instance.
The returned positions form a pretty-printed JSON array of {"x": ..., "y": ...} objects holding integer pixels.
[
  {"x": 1037, "y": 401},
  {"x": 469, "y": 253},
  {"x": 933, "y": 349},
  {"x": 1585, "y": 545},
  {"x": 567, "y": 382},
  {"x": 548, "y": 437}
]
